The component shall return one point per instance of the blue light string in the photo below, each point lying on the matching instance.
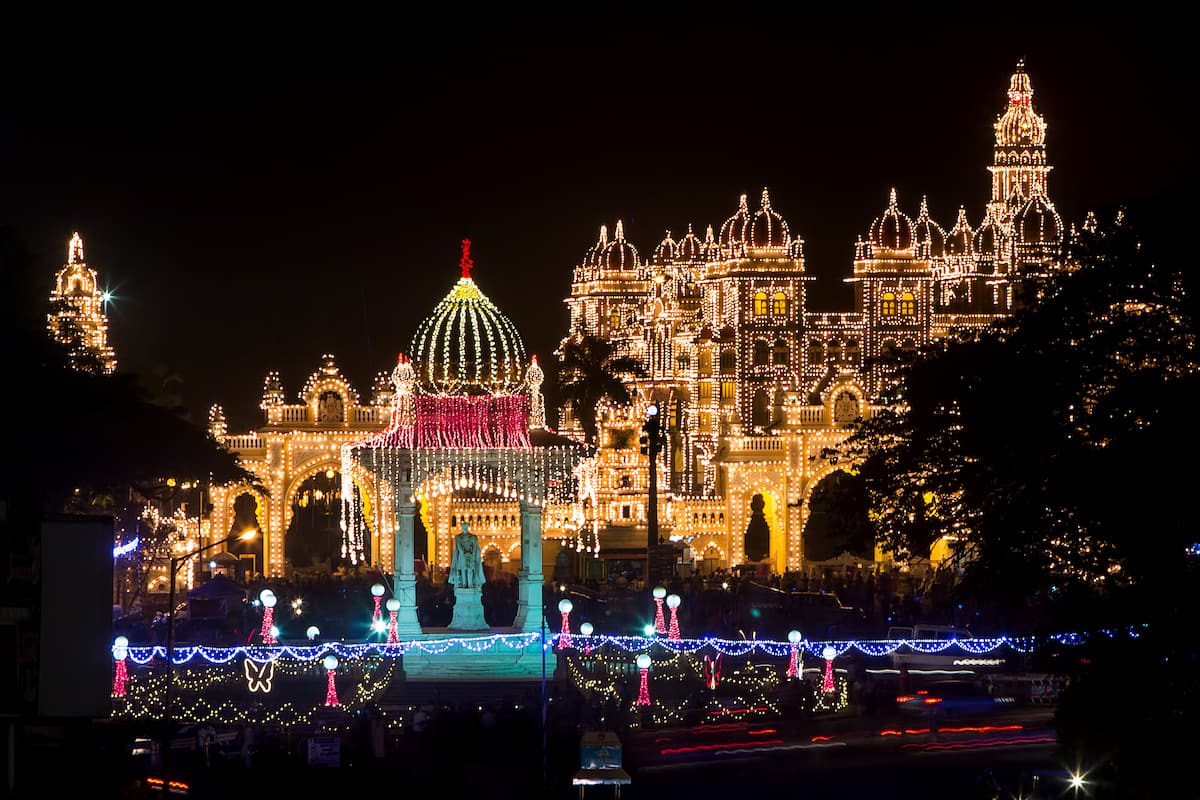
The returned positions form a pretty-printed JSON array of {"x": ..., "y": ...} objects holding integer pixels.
[{"x": 631, "y": 644}]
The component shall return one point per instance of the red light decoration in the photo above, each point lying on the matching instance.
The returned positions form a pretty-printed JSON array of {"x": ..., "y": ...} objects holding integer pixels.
[
  {"x": 644, "y": 690},
  {"x": 465, "y": 263},
  {"x": 267, "y": 623},
  {"x": 119, "y": 678},
  {"x": 378, "y": 615},
  {"x": 660, "y": 623},
  {"x": 829, "y": 654},
  {"x": 793, "y": 670},
  {"x": 330, "y": 663},
  {"x": 712, "y": 671},
  {"x": 393, "y": 632}
]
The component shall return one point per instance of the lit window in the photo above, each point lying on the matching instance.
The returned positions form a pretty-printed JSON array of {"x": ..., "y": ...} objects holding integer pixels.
[
  {"x": 908, "y": 305},
  {"x": 705, "y": 391},
  {"x": 888, "y": 307},
  {"x": 760, "y": 304},
  {"x": 728, "y": 361},
  {"x": 781, "y": 352},
  {"x": 779, "y": 304},
  {"x": 614, "y": 319},
  {"x": 727, "y": 390}
]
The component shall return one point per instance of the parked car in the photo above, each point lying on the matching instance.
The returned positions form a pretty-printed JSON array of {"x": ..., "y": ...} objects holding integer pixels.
[
  {"x": 817, "y": 615},
  {"x": 945, "y": 699},
  {"x": 951, "y": 657}
]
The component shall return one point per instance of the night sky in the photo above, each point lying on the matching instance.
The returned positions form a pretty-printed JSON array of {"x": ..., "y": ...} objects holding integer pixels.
[{"x": 256, "y": 198}]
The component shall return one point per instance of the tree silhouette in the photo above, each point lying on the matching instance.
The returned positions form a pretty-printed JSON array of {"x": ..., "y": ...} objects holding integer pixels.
[{"x": 590, "y": 371}]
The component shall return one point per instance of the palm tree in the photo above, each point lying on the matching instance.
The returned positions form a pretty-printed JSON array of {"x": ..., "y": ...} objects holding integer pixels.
[{"x": 590, "y": 371}]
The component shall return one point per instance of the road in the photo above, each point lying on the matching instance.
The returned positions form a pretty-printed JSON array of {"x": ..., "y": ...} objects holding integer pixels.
[{"x": 892, "y": 758}]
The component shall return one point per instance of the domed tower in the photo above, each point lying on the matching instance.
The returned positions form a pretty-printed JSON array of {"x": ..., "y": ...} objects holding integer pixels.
[
  {"x": 467, "y": 345},
  {"x": 893, "y": 289},
  {"x": 754, "y": 298},
  {"x": 1019, "y": 168},
  {"x": 610, "y": 290},
  {"x": 78, "y": 315},
  {"x": 929, "y": 237}
]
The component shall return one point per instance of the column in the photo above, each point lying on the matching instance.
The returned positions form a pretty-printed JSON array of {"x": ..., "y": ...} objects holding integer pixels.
[
  {"x": 529, "y": 581},
  {"x": 405, "y": 580}
]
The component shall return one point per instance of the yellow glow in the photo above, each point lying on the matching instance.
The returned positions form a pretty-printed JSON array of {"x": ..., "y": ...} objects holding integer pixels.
[{"x": 247, "y": 535}]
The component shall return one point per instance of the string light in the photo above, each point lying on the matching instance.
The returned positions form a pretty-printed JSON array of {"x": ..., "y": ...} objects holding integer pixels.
[
  {"x": 673, "y": 601},
  {"x": 120, "y": 652},
  {"x": 393, "y": 607},
  {"x": 794, "y": 663},
  {"x": 267, "y": 632},
  {"x": 564, "y": 638},
  {"x": 660, "y": 624},
  {"x": 643, "y": 665},
  {"x": 330, "y": 663}
]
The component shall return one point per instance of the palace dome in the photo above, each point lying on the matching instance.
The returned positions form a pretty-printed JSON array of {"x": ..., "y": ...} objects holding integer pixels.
[
  {"x": 592, "y": 258},
  {"x": 768, "y": 229},
  {"x": 467, "y": 345},
  {"x": 619, "y": 255},
  {"x": 1039, "y": 223},
  {"x": 665, "y": 252},
  {"x": 962, "y": 239},
  {"x": 689, "y": 248},
  {"x": 893, "y": 230},
  {"x": 1020, "y": 125},
  {"x": 987, "y": 238},
  {"x": 926, "y": 230},
  {"x": 734, "y": 229}
]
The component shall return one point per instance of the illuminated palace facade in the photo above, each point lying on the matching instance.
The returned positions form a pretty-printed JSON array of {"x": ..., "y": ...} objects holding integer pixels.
[{"x": 757, "y": 387}]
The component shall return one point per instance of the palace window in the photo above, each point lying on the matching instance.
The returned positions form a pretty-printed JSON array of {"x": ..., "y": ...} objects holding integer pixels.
[
  {"x": 888, "y": 307},
  {"x": 760, "y": 304},
  {"x": 781, "y": 352},
  {"x": 704, "y": 364},
  {"x": 816, "y": 352},
  {"x": 908, "y": 305},
  {"x": 614, "y": 319},
  {"x": 779, "y": 304},
  {"x": 705, "y": 391},
  {"x": 835, "y": 352},
  {"x": 761, "y": 416},
  {"x": 852, "y": 351},
  {"x": 727, "y": 391},
  {"x": 762, "y": 353},
  {"x": 728, "y": 361}
]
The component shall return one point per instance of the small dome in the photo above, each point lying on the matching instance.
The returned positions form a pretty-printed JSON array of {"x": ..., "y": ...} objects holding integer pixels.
[
  {"x": 988, "y": 237},
  {"x": 768, "y": 229},
  {"x": 961, "y": 242},
  {"x": 592, "y": 259},
  {"x": 1039, "y": 223},
  {"x": 689, "y": 248},
  {"x": 894, "y": 230},
  {"x": 925, "y": 230},
  {"x": 734, "y": 231},
  {"x": 665, "y": 253},
  {"x": 467, "y": 345},
  {"x": 619, "y": 255}
]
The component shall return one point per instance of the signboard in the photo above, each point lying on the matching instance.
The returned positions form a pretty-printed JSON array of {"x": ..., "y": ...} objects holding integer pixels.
[
  {"x": 600, "y": 750},
  {"x": 324, "y": 751}
]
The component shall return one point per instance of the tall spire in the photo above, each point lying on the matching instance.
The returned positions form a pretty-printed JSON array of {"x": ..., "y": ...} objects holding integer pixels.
[
  {"x": 465, "y": 263},
  {"x": 75, "y": 249}
]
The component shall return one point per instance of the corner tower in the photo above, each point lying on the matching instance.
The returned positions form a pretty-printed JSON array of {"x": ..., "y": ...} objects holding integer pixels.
[{"x": 78, "y": 317}]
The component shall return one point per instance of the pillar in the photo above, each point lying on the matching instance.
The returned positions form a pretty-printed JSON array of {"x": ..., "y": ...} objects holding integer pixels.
[
  {"x": 530, "y": 610},
  {"x": 403, "y": 577}
]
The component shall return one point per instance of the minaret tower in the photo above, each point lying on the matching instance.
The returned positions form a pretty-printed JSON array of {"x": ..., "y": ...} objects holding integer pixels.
[
  {"x": 78, "y": 317},
  {"x": 1020, "y": 170}
]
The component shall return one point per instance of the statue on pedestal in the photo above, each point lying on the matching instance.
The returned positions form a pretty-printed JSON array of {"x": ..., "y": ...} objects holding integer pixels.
[{"x": 466, "y": 562}]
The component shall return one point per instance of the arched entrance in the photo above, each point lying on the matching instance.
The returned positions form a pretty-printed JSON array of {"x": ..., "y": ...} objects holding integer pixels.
[
  {"x": 247, "y": 512},
  {"x": 313, "y": 538}
]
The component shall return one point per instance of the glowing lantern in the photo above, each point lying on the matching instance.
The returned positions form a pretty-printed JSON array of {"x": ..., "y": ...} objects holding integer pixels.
[
  {"x": 660, "y": 624},
  {"x": 829, "y": 654},
  {"x": 673, "y": 601},
  {"x": 120, "y": 651},
  {"x": 793, "y": 670},
  {"x": 643, "y": 665},
  {"x": 330, "y": 663}
]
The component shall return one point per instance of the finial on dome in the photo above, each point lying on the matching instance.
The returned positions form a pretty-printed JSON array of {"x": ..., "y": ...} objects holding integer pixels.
[
  {"x": 924, "y": 212},
  {"x": 402, "y": 359},
  {"x": 742, "y": 204},
  {"x": 465, "y": 263},
  {"x": 603, "y": 235},
  {"x": 620, "y": 234},
  {"x": 962, "y": 216},
  {"x": 75, "y": 249},
  {"x": 708, "y": 234},
  {"x": 892, "y": 199},
  {"x": 690, "y": 229},
  {"x": 766, "y": 198}
]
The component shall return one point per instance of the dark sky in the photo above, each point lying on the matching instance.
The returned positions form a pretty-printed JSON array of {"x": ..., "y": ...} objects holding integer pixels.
[{"x": 257, "y": 197}]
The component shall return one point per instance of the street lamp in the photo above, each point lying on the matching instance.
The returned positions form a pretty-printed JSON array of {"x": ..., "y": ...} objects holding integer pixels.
[{"x": 176, "y": 561}]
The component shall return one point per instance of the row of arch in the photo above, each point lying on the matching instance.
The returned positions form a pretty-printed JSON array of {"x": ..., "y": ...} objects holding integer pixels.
[{"x": 776, "y": 304}]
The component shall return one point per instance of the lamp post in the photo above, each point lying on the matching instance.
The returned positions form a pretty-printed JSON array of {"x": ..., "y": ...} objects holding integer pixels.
[{"x": 245, "y": 536}]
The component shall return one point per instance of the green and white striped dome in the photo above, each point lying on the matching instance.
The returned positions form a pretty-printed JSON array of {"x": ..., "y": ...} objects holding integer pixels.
[{"x": 467, "y": 345}]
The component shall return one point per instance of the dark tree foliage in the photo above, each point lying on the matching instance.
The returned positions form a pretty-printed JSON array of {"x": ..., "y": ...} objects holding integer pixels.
[
  {"x": 589, "y": 372},
  {"x": 1052, "y": 444}
]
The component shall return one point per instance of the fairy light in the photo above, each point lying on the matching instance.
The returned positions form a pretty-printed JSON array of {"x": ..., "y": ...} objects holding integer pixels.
[
  {"x": 377, "y": 590},
  {"x": 828, "y": 653},
  {"x": 660, "y": 624},
  {"x": 564, "y": 638},
  {"x": 120, "y": 653},
  {"x": 393, "y": 607},
  {"x": 330, "y": 663},
  {"x": 267, "y": 632},
  {"x": 794, "y": 663},
  {"x": 643, "y": 665},
  {"x": 673, "y": 601}
]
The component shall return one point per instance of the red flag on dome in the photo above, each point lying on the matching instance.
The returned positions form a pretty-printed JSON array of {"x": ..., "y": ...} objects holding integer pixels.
[{"x": 466, "y": 263}]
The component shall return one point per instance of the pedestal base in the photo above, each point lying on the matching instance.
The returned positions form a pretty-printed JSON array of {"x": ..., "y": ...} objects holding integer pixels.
[
  {"x": 468, "y": 610},
  {"x": 464, "y": 662}
]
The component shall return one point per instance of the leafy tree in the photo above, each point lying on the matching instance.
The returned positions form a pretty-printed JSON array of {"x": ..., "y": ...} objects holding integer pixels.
[
  {"x": 589, "y": 372},
  {"x": 1039, "y": 442}
]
